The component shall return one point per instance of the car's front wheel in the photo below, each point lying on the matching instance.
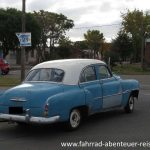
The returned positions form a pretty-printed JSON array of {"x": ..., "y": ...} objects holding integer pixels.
[
  {"x": 74, "y": 119},
  {"x": 130, "y": 105}
]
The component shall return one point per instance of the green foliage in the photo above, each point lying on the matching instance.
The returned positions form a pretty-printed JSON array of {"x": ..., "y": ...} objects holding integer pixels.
[
  {"x": 122, "y": 46},
  {"x": 53, "y": 27},
  {"x": 64, "y": 48},
  {"x": 113, "y": 56},
  {"x": 11, "y": 23},
  {"x": 130, "y": 69},
  {"x": 137, "y": 24},
  {"x": 94, "y": 40},
  {"x": 33, "y": 27},
  {"x": 81, "y": 45}
]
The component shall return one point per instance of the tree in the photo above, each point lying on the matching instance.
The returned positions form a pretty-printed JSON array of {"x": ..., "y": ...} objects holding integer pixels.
[
  {"x": 122, "y": 45},
  {"x": 136, "y": 23},
  {"x": 81, "y": 45},
  {"x": 10, "y": 23},
  {"x": 65, "y": 47},
  {"x": 94, "y": 41},
  {"x": 111, "y": 57},
  {"x": 53, "y": 26}
]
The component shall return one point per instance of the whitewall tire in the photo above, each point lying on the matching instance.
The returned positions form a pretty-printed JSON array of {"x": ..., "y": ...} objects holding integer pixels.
[{"x": 130, "y": 105}]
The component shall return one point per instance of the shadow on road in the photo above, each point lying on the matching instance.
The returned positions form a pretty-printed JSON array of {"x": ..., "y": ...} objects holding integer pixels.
[{"x": 15, "y": 130}]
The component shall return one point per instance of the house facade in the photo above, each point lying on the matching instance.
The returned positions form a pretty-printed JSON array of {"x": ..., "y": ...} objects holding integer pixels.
[{"x": 147, "y": 52}]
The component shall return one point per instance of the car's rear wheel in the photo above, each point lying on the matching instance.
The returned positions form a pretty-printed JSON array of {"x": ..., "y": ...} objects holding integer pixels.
[
  {"x": 5, "y": 72},
  {"x": 130, "y": 105},
  {"x": 74, "y": 119}
]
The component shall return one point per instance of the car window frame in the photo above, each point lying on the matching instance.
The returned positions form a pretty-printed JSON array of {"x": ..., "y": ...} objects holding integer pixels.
[
  {"x": 92, "y": 65},
  {"x": 111, "y": 75}
]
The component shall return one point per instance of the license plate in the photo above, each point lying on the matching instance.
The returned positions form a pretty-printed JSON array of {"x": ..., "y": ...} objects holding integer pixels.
[{"x": 15, "y": 110}]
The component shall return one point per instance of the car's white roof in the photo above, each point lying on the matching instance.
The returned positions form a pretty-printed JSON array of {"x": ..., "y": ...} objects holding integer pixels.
[{"x": 71, "y": 67}]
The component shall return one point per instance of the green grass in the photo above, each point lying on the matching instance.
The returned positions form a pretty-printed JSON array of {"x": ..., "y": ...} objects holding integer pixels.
[
  {"x": 130, "y": 69},
  {"x": 6, "y": 81}
]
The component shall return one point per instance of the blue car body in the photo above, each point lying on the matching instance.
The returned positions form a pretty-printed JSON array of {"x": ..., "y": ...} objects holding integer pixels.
[{"x": 49, "y": 101}]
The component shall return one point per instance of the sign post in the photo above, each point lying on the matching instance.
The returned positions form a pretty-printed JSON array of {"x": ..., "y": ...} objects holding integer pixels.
[
  {"x": 24, "y": 38},
  {"x": 23, "y": 48}
]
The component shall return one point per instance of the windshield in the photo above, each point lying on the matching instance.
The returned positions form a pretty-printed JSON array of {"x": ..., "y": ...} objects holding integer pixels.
[{"x": 45, "y": 74}]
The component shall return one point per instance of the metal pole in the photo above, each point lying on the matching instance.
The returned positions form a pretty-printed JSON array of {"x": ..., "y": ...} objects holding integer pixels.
[
  {"x": 23, "y": 48},
  {"x": 142, "y": 46},
  {"x": 142, "y": 53}
]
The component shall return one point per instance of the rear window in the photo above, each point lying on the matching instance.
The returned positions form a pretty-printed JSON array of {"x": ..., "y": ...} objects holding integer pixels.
[{"x": 45, "y": 74}]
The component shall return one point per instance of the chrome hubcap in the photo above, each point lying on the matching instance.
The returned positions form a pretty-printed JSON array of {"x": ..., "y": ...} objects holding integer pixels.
[
  {"x": 75, "y": 118},
  {"x": 131, "y": 103}
]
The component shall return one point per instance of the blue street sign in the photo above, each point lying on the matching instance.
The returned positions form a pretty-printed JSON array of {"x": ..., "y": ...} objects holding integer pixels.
[{"x": 24, "y": 38}]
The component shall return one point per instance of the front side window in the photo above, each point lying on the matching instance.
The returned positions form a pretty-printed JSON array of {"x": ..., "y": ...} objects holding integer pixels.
[
  {"x": 45, "y": 74},
  {"x": 104, "y": 72},
  {"x": 88, "y": 75}
]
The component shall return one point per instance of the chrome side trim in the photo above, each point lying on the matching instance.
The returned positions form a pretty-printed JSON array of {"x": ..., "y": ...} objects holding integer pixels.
[
  {"x": 86, "y": 82},
  {"x": 97, "y": 98},
  {"x": 18, "y": 99},
  {"x": 109, "y": 78},
  {"x": 112, "y": 95},
  {"x": 29, "y": 119},
  {"x": 127, "y": 91}
]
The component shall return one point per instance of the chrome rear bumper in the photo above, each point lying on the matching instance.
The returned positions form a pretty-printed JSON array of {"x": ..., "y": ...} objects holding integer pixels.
[{"x": 29, "y": 119}]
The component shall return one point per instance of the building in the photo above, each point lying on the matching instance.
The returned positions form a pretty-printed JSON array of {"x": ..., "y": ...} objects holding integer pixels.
[
  {"x": 147, "y": 52},
  {"x": 29, "y": 59}
]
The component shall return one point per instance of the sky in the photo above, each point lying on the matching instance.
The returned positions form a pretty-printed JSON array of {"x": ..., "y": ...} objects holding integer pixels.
[{"x": 102, "y": 15}]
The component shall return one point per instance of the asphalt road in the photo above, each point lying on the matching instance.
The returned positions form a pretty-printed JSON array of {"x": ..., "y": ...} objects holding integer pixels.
[{"x": 113, "y": 126}]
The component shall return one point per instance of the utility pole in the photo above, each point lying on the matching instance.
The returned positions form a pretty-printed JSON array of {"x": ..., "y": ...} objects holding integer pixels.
[
  {"x": 23, "y": 48},
  {"x": 143, "y": 45},
  {"x": 142, "y": 49}
]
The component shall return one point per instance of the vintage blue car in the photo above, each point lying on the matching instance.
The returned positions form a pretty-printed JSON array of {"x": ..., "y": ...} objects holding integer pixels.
[{"x": 67, "y": 91}]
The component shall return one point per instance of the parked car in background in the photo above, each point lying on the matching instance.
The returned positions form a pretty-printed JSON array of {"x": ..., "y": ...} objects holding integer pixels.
[
  {"x": 4, "y": 66},
  {"x": 67, "y": 91}
]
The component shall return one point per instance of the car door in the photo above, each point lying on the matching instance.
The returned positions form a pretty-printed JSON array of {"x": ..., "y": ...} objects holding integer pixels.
[
  {"x": 93, "y": 91},
  {"x": 111, "y": 88}
]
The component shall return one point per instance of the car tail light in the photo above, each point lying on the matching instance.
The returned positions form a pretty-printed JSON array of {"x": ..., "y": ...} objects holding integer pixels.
[{"x": 46, "y": 110}]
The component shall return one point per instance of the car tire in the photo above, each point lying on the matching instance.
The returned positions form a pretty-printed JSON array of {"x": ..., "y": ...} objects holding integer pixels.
[
  {"x": 130, "y": 105},
  {"x": 3, "y": 72},
  {"x": 74, "y": 120},
  {"x": 7, "y": 71},
  {"x": 22, "y": 124}
]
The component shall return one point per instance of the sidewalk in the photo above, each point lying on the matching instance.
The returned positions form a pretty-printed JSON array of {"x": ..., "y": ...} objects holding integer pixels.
[{"x": 18, "y": 67}]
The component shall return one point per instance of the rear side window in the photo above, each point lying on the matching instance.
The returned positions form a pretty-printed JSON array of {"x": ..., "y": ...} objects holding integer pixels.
[{"x": 88, "y": 74}]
